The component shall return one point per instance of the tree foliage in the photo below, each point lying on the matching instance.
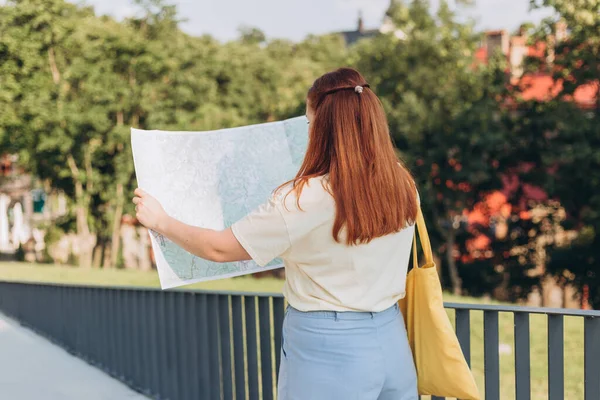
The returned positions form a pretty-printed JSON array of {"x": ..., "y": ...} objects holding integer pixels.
[
  {"x": 443, "y": 112},
  {"x": 570, "y": 153},
  {"x": 73, "y": 82}
]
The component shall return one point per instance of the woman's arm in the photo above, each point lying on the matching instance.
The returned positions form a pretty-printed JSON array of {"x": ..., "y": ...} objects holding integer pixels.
[{"x": 218, "y": 246}]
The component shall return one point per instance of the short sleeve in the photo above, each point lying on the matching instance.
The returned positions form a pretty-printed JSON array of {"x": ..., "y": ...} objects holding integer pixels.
[{"x": 263, "y": 232}]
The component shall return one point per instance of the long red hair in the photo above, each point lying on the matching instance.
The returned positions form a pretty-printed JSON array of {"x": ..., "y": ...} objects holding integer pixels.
[{"x": 349, "y": 139}]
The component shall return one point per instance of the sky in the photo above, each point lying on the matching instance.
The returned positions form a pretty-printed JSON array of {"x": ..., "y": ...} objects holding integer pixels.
[{"x": 295, "y": 19}]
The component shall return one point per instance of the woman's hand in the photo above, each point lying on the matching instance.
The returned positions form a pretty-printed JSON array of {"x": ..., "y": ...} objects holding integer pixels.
[
  {"x": 149, "y": 211},
  {"x": 217, "y": 246}
]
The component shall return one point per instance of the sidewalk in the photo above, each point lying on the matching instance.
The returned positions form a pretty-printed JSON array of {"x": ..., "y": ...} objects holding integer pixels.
[{"x": 32, "y": 368}]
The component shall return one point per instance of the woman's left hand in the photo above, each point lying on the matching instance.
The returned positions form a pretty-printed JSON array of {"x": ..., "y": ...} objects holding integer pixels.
[{"x": 149, "y": 211}]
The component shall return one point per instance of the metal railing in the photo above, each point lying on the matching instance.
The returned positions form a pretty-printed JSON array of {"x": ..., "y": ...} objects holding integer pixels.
[
  {"x": 522, "y": 349},
  {"x": 212, "y": 345}
]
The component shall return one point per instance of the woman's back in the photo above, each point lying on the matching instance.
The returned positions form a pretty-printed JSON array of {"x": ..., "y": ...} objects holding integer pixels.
[
  {"x": 322, "y": 273},
  {"x": 343, "y": 225}
]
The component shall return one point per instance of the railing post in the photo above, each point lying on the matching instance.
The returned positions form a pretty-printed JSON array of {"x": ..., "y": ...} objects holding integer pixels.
[
  {"x": 193, "y": 340},
  {"x": 491, "y": 355},
  {"x": 264, "y": 314},
  {"x": 278, "y": 317},
  {"x": 112, "y": 331},
  {"x": 556, "y": 357},
  {"x": 126, "y": 337},
  {"x": 144, "y": 344},
  {"x": 237, "y": 314},
  {"x": 251, "y": 346},
  {"x": 522, "y": 356},
  {"x": 214, "y": 350},
  {"x": 224, "y": 309},
  {"x": 592, "y": 357},
  {"x": 173, "y": 369},
  {"x": 163, "y": 343},
  {"x": 136, "y": 335},
  {"x": 463, "y": 332},
  {"x": 154, "y": 341},
  {"x": 205, "y": 375},
  {"x": 185, "y": 354}
]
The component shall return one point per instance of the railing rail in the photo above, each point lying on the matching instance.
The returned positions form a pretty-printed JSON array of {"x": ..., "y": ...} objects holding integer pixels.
[
  {"x": 225, "y": 345},
  {"x": 566, "y": 312}
]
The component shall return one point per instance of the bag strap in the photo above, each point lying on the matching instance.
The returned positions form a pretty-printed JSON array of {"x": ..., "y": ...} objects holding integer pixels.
[{"x": 421, "y": 231}]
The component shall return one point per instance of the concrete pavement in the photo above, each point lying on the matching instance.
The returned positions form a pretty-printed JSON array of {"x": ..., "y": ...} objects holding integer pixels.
[{"x": 32, "y": 368}]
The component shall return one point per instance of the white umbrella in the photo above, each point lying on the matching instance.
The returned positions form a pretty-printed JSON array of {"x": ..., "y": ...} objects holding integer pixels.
[
  {"x": 20, "y": 232},
  {"x": 4, "y": 233}
]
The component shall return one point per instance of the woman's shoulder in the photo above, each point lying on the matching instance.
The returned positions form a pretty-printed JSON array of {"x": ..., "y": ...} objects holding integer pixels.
[{"x": 314, "y": 193}]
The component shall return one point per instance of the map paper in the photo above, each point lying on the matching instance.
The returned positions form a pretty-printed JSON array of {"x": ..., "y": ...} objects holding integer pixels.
[{"x": 212, "y": 179}]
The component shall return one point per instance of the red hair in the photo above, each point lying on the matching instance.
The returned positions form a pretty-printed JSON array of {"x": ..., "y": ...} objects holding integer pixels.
[{"x": 349, "y": 139}]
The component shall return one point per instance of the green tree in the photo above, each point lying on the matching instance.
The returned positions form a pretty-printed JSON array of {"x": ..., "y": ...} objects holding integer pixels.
[
  {"x": 572, "y": 138},
  {"x": 73, "y": 83},
  {"x": 251, "y": 35},
  {"x": 443, "y": 112},
  {"x": 58, "y": 141}
]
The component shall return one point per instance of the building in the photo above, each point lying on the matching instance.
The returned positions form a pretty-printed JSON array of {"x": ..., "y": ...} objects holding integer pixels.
[
  {"x": 24, "y": 210},
  {"x": 351, "y": 37},
  {"x": 16, "y": 205},
  {"x": 386, "y": 27},
  {"x": 539, "y": 85}
]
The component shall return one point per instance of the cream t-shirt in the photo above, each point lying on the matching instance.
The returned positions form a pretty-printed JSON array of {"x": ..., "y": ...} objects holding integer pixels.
[{"x": 322, "y": 274}]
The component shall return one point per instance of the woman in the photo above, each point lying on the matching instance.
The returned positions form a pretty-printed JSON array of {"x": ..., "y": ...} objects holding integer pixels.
[{"x": 344, "y": 229}]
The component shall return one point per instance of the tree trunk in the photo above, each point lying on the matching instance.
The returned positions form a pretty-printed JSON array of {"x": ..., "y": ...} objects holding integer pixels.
[
  {"x": 130, "y": 246},
  {"x": 53, "y": 66},
  {"x": 86, "y": 240},
  {"x": 107, "y": 257},
  {"x": 452, "y": 268},
  {"x": 116, "y": 231},
  {"x": 144, "y": 262},
  {"x": 501, "y": 291},
  {"x": 572, "y": 299},
  {"x": 97, "y": 255},
  {"x": 552, "y": 293},
  {"x": 534, "y": 299}
]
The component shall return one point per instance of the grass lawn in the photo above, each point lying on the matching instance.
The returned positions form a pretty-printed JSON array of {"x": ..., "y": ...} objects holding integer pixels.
[
  {"x": 539, "y": 352},
  {"x": 121, "y": 277}
]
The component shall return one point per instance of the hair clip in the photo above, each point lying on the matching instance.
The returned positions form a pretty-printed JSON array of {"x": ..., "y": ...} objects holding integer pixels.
[{"x": 358, "y": 89}]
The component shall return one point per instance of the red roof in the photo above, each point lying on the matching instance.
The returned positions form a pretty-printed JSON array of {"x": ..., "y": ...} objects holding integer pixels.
[
  {"x": 538, "y": 50},
  {"x": 542, "y": 87},
  {"x": 481, "y": 55}
]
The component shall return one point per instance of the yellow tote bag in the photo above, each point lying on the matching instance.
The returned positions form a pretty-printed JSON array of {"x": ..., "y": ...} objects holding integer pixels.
[{"x": 441, "y": 367}]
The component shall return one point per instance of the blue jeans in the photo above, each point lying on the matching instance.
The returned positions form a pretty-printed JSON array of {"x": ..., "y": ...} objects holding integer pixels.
[{"x": 328, "y": 355}]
